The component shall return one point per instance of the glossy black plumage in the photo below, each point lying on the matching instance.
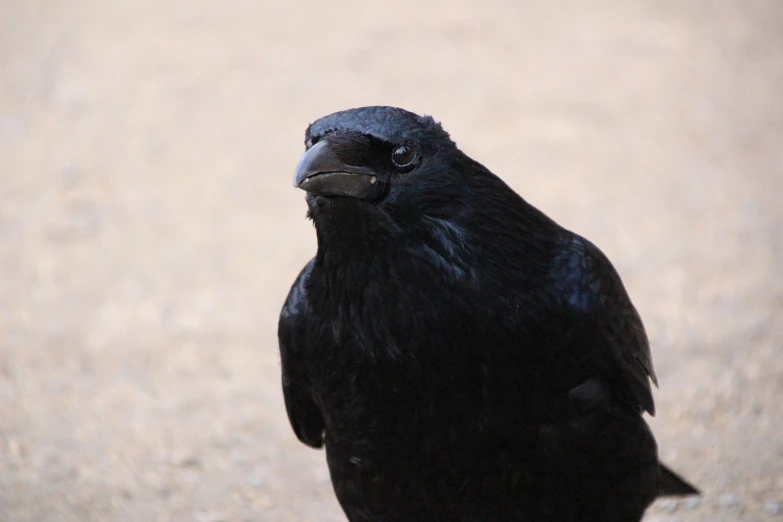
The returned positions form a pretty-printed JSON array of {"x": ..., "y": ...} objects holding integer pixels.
[{"x": 460, "y": 355}]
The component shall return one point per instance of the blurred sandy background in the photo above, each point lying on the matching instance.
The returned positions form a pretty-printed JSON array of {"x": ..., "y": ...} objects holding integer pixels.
[{"x": 149, "y": 231}]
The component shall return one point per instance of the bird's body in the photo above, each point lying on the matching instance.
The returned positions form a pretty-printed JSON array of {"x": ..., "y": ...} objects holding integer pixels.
[{"x": 461, "y": 356}]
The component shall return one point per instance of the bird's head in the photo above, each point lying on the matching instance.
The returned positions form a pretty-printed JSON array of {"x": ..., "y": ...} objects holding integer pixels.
[
  {"x": 377, "y": 175},
  {"x": 374, "y": 155}
]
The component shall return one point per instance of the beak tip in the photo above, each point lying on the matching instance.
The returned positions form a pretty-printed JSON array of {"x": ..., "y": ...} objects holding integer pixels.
[{"x": 304, "y": 168}]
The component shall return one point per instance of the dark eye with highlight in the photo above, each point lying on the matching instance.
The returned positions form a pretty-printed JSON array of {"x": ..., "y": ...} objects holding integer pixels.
[{"x": 404, "y": 156}]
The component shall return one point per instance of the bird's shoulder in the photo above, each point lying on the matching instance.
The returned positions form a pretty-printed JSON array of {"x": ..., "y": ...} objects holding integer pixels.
[
  {"x": 588, "y": 281},
  {"x": 592, "y": 290}
]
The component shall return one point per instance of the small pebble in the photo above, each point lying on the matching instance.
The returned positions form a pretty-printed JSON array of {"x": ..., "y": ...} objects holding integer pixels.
[
  {"x": 17, "y": 449},
  {"x": 258, "y": 479},
  {"x": 190, "y": 462},
  {"x": 210, "y": 516},
  {"x": 774, "y": 507},
  {"x": 191, "y": 477},
  {"x": 729, "y": 501},
  {"x": 668, "y": 505},
  {"x": 184, "y": 459}
]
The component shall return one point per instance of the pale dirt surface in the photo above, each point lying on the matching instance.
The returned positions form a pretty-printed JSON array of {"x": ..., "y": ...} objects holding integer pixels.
[{"x": 149, "y": 231}]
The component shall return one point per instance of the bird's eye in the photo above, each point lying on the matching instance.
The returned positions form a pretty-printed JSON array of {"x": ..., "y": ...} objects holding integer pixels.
[{"x": 404, "y": 156}]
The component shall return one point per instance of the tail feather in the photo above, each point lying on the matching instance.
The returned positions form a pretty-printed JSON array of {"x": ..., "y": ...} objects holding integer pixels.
[{"x": 672, "y": 485}]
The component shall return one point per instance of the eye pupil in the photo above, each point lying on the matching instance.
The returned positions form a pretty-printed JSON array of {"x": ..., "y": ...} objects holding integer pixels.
[{"x": 403, "y": 156}]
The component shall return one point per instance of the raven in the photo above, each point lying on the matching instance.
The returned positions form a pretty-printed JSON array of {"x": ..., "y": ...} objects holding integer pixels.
[{"x": 460, "y": 355}]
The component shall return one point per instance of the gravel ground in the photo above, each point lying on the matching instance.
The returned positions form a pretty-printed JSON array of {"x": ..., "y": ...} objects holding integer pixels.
[{"x": 149, "y": 231}]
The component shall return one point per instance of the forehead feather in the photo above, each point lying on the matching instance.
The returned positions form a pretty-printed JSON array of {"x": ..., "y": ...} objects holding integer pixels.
[{"x": 390, "y": 124}]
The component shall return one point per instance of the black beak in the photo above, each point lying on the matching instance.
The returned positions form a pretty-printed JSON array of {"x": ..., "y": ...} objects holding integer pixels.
[{"x": 321, "y": 172}]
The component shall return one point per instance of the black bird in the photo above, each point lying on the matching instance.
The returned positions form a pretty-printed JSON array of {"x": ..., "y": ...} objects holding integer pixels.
[{"x": 460, "y": 355}]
